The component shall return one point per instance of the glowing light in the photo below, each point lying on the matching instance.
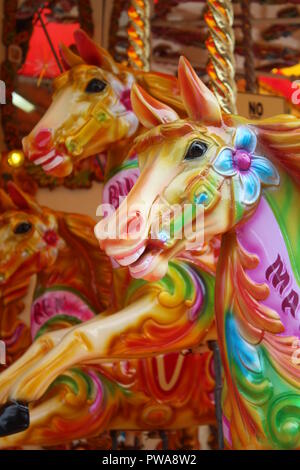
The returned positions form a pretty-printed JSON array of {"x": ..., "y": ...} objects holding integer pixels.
[{"x": 15, "y": 158}]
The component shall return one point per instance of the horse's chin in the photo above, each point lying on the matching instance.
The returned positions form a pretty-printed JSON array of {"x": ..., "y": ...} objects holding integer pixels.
[
  {"x": 53, "y": 162},
  {"x": 151, "y": 267},
  {"x": 62, "y": 169}
]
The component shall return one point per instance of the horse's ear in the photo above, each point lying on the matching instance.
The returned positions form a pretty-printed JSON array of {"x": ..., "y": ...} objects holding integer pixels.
[
  {"x": 6, "y": 203},
  {"x": 92, "y": 54},
  {"x": 21, "y": 199},
  {"x": 68, "y": 58},
  {"x": 199, "y": 101},
  {"x": 150, "y": 111},
  {"x": 162, "y": 87}
]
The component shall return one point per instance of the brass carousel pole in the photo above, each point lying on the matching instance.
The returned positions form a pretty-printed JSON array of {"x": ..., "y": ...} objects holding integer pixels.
[
  {"x": 248, "y": 47},
  {"x": 220, "y": 45},
  {"x": 139, "y": 35},
  {"x": 221, "y": 71}
]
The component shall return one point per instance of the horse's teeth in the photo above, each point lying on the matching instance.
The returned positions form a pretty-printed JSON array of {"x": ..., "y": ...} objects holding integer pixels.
[
  {"x": 45, "y": 158},
  {"x": 144, "y": 264},
  {"x": 57, "y": 161},
  {"x": 132, "y": 258}
]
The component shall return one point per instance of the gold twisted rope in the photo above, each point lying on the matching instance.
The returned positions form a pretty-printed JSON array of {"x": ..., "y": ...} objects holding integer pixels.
[
  {"x": 139, "y": 35},
  {"x": 220, "y": 46}
]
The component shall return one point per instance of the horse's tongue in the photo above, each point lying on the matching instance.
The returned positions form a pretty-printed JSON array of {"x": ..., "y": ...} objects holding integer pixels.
[
  {"x": 142, "y": 265},
  {"x": 129, "y": 260}
]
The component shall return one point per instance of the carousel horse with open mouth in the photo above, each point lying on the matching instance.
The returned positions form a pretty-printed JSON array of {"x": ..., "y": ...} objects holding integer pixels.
[
  {"x": 48, "y": 141},
  {"x": 213, "y": 161},
  {"x": 73, "y": 285}
]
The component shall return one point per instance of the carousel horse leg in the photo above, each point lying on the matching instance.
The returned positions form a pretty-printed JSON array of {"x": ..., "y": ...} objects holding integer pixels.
[
  {"x": 37, "y": 350},
  {"x": 82, "y": 403},
  {"x": 14, "y": 415},
  {"x": 96, "y": 340},
  {"x": 218, "y": 391}
]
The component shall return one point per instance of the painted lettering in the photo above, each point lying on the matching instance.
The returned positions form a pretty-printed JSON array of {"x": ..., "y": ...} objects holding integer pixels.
[
  {"x": 279, "y": 278},
  {"x": 291, "y": 303},
  {"x": 278, "y": 275}
]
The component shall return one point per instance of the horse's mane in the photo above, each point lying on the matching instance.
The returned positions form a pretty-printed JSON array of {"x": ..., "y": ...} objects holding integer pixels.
[
  {"x": 162, "y": 87},
  {"x": 158, "y": 134},
  {"x": 78, "y": 232},
  {"x": 279, "y": 137}
]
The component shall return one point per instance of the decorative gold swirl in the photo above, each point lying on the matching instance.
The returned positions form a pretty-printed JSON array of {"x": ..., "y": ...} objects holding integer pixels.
[{"x": 220, "y": 45}]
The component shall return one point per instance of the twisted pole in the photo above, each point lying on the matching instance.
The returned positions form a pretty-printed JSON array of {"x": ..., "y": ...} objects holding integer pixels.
[
  {"x": 139, "y": 35},
  {"x": 220, "y": 46},
  {"x": 221, "y": 71},
  {"x": 248, "y": 47}
]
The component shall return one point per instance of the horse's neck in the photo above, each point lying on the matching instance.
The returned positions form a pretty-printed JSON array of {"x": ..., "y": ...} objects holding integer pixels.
[
  {"x": 117, "y": 154},
  {"x": 15, "y": 321},
  {"x": 14, "y": 292},
  {"x": 81, "y": 267},
  {"x": 272, "y": 234},
  {"x": 257, "y": 316}
]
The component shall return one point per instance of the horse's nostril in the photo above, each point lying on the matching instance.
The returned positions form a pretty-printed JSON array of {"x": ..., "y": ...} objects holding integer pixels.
[
  {"x": 43, "y": 138},
  {"x": 134, "y": 224},
  {"x": 25, "y": 145}
]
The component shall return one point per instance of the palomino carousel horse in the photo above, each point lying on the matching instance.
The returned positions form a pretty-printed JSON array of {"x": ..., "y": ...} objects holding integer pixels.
[
  {"x": 213, "y": 161},
  {"x": 73, "y": 284},
  {"x": 91, "y": 110}
]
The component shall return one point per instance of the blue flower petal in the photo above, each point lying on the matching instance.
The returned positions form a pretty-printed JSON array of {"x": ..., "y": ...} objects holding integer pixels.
[
  {"x": 245, "y": 139},
  {"x": 251, "y": 187},
  {"x": 224, "y": 163},
  {"x": 265, "y": 170}
]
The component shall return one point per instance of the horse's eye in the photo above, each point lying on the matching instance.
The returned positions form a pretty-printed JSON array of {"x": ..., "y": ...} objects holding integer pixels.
[
  {"x": 23, "y": 227},
  {"x": 95, "y": 86},
  {"x": 196, "y": 149}
]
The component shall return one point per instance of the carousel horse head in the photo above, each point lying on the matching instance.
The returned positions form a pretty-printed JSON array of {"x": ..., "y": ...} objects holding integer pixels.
[
  {"x": 91, "y": 108},
  {"x": 28, "y": 234},
  {"x": 210, "y": 163}
]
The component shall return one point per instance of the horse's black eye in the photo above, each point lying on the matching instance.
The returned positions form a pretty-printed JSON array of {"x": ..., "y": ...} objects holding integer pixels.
[
  {"x": 95, "y": 86},
  {"x": 196, "y": 149},
  {"x": 23, "y": 227}
]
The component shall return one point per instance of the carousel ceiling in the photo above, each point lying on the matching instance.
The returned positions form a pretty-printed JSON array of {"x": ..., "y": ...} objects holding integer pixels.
[
  {"x": 267, "y": 34},
  {"x": 177, "y": 28}
]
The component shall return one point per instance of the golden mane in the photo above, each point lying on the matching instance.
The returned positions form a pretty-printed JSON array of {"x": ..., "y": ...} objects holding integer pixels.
[
  {"x": 163, "y": 87},
  {"x": 160, "y": 133}
]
